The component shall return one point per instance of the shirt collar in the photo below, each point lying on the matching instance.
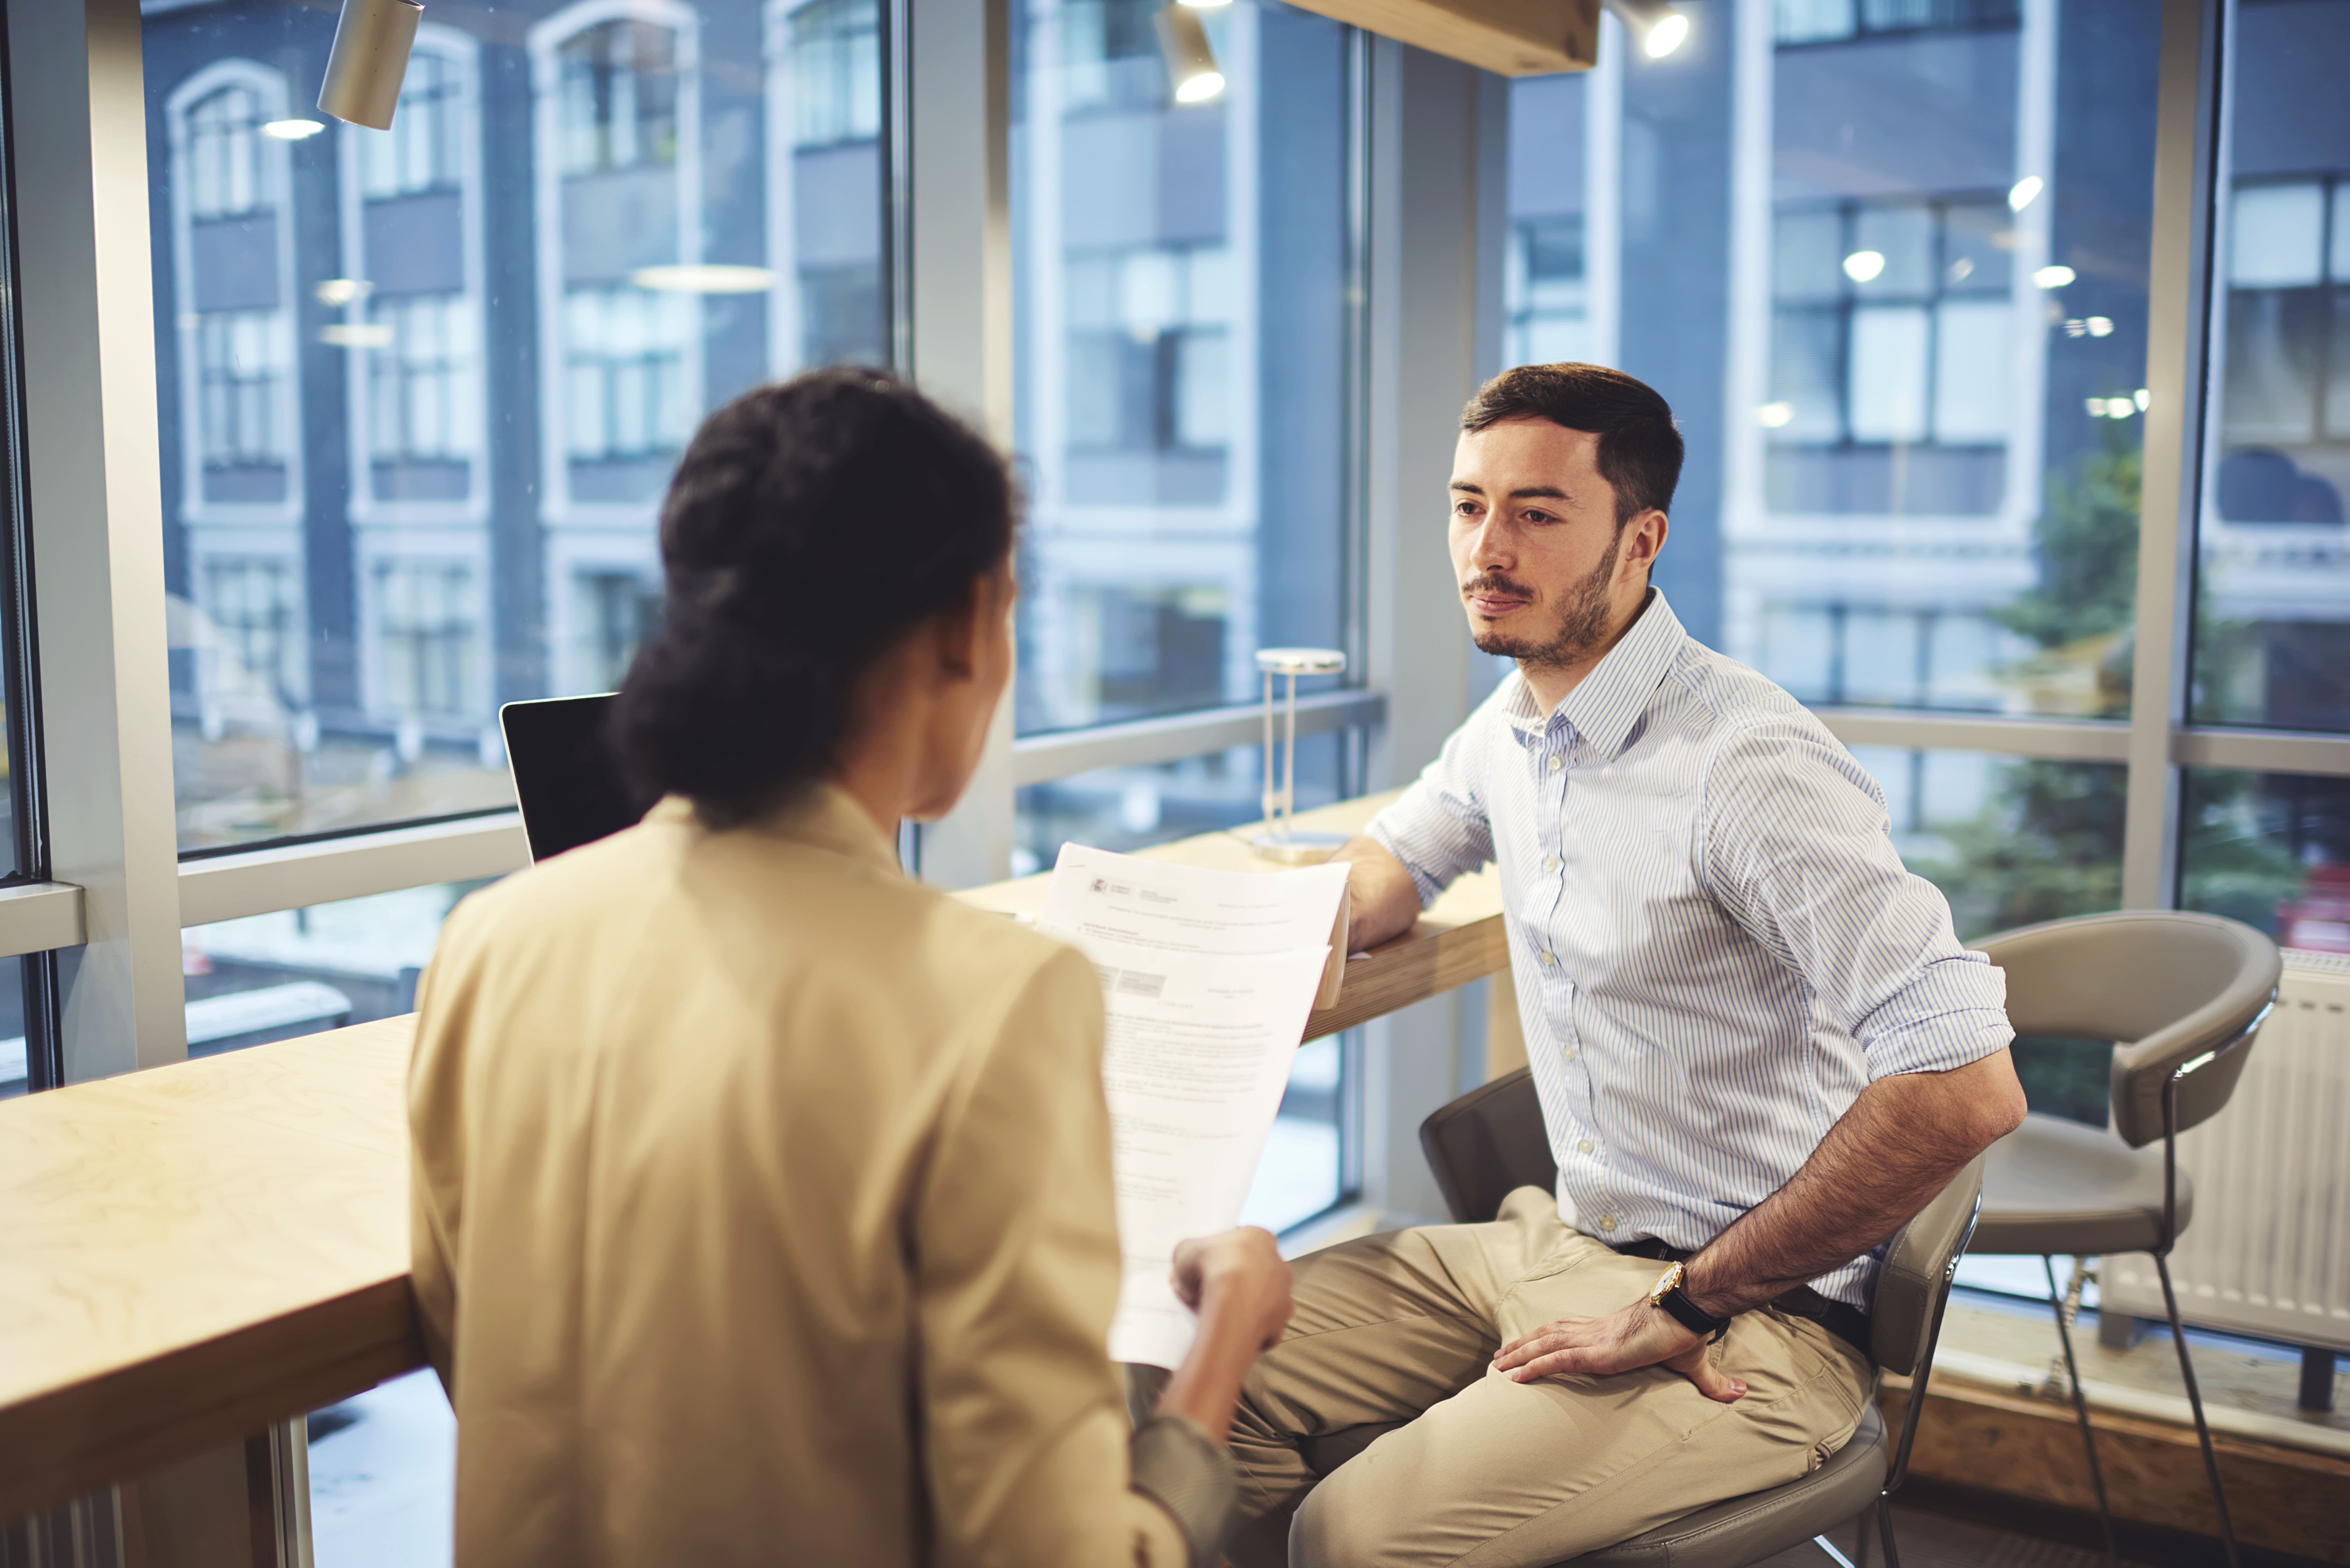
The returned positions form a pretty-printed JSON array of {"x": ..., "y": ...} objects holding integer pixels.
[
  {"x": 1606, "y": 704},
  {"x": 826, "y": 817}
]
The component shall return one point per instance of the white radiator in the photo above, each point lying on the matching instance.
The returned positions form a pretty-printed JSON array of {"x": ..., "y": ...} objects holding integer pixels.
[{"x": 2268, "y": 1252}]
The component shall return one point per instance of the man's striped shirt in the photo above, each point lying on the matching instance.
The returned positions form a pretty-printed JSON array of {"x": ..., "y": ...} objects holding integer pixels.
[{"x": 1715, "y": 944}]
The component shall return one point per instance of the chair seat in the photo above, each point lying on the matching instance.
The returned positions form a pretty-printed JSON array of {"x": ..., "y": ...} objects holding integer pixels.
[
  {"x": 1748, "y": 1528},
  {"x": 1728, "y": 1534},
  {"x": 2057, "y": 1186}
]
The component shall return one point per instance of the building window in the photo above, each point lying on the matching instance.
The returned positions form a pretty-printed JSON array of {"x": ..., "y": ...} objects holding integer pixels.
[
  {"x": 424, "y": 149},
  {"x": 243, "y": 357},
  {"x": 1150, "y": 352},
  {"x": 423, "y": 399},
  {"x": 255, "y": 606},
  {"x": 836, "y": 66},
  {"x": 1833, "y": 21},
  {"x": 1893, "y": 333},
  {"x": 1545, "y": 288},
  {"x": 618, "y": 98},
  {"x": 229, "y": 241},
  {"x": 226, "y": 175},
  {"x": 625, "y": 375},
  {"x": 616, "y": 611},
  {"x": 426, "y": 636}
]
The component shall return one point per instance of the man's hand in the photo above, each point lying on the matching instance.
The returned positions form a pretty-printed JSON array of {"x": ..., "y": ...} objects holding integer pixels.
[
  {"x": 1382, "y": 901},
  {"x": 1638, "y": 1335}
]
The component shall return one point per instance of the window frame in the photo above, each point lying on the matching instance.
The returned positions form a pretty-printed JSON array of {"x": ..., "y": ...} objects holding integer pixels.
[{"x": 120, "y": 881}]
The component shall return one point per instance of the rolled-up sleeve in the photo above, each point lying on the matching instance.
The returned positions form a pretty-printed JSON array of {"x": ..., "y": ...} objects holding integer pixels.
[
  {"x": 1438, "y": 827},
  {"x": 1017, "y": 1260},
  {"x": 1798, "y": 850}
]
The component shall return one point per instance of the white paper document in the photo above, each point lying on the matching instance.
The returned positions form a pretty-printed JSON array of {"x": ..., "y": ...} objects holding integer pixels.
[{"x": 1208, "y": 978}]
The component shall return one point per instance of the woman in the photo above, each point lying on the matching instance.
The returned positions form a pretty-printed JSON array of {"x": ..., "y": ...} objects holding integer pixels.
[{"x": 762, "y": 1195}]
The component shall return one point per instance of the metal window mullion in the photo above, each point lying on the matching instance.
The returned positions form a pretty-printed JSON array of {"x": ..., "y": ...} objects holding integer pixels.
[
  {"x": 1040, "y": 759},
  {"x": 2177, "y": 311},
  {"x": 76, "y": 107},
  {"x": 957, "y": 248}
]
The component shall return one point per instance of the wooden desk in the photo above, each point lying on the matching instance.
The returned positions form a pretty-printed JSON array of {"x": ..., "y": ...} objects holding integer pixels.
[{"x": 192, "y": 1252}]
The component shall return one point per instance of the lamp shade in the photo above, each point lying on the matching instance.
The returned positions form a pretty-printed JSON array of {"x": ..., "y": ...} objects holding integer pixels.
[{"x": 369, "y": 60}]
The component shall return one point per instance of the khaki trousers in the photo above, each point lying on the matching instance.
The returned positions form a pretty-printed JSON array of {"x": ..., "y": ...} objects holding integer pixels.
[{"x": 1402, "y": 1327}]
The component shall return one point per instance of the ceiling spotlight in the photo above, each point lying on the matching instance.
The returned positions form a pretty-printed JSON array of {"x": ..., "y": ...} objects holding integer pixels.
[
  {"x": 1192, "y": 66},
  {"x": 2020, "y": 195},
  {"x": 2053, "y": 277},
  {"x": 369, "y": 60},
  {"x": 291, "y": 129},
  {"x": 1659, "y": 28}
]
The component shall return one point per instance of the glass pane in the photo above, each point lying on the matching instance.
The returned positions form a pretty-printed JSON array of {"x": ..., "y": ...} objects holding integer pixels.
[
  {"x": 1127, "y": 809},
  {"x": 2272, "y": 850},
  {"x": 297, "y": 971},
  {"x": 1907, "y": 241},
  {"x": 383, "y": 1477},
  {"x": 1303, "y": 1170},
  {"x": 426, "y": 386},
  {"x": 15, "y": 1066},
  {"x": 2272, "y": 615},
  {"x": 1180, "y": 297},
  {"x": 2009, "y": 841}
]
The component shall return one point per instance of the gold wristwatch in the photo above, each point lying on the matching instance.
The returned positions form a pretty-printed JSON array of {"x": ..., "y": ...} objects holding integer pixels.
[{"x": 1667, "y": 1296}]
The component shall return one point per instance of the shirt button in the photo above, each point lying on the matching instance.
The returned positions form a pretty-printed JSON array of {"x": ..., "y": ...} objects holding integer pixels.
[
  {"x": 1569, "y": 1052},
  {"x": 1550, "y": 862},
  {"x": 1607, "y": 1221},
  {"x": 1556, "y": 764},
  {"x": 1548, "y": 958},
  {"x": 1583, "y": 1148}
]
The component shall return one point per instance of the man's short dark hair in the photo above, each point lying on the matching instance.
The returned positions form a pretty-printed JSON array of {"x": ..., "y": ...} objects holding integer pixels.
[{"x": 1639, "y": 449}]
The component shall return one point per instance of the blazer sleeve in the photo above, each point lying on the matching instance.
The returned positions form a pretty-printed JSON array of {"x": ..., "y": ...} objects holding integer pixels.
[
  {"x": 1016, "y": 1271},
  {"x": 437, "y": 1136}
]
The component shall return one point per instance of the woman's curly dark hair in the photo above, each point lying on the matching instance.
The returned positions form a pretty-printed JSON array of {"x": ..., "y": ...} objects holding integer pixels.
[{"x": 812, "y": 526}]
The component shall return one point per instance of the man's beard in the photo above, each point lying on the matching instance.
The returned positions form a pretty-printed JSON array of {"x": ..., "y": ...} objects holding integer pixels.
[{"x": 1582, "y": 625}]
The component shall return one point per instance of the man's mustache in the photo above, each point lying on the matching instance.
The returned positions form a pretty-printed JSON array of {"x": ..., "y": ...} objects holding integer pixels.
[{"x": 1494, "y": 582}]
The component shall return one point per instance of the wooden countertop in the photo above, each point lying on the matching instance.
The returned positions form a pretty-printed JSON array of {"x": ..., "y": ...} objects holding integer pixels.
[{"x": 192, "y": 1252}]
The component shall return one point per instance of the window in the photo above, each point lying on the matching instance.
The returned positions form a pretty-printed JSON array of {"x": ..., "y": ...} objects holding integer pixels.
[
  {"x": 1180, "y": 298},
  {"x": 423, "y": 388},
  {"x": 1930, "y": 333},
  {"x": 2273, "y": 616}
]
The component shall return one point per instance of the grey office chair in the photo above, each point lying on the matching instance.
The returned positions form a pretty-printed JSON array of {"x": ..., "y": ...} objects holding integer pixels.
[
  {"x": 2185, "y": 994},
  {"x": 1489, "y": 1142}
]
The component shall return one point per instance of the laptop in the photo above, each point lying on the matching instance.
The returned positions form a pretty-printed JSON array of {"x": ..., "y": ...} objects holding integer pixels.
[{"x": 566, "y": 776}]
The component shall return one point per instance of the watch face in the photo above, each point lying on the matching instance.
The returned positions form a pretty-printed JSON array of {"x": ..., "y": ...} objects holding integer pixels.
[{"x": 1668, "y": 1282}]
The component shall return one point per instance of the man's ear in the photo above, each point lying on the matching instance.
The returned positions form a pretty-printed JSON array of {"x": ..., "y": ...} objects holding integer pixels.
[{"x": 1648, "y": 540}]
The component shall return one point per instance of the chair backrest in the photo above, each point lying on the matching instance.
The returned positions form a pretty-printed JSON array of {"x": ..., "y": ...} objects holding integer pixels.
[
  {"x": 1486, "y": 1144},
  {"x": 2165, "y": 985},
  {"x": 1489, "y": 1142},
  {"x": 1916, "y": 1276}
]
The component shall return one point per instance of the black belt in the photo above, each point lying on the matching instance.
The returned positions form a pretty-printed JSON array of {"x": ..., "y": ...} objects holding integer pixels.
[{"x": 1846, "y": 1322}]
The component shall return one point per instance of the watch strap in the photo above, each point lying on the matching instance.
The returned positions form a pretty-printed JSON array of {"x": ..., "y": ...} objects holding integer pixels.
[{"x": 1691, "y": 1316}]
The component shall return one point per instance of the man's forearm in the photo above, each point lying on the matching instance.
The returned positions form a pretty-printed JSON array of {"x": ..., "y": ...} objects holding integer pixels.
[
  {"x": 1886, "y": 1158},
  {"x": 1382, "y": 899}
]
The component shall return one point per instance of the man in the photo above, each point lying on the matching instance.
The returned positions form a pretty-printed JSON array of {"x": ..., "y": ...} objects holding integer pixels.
[{"x": 1759, "y": 1045}]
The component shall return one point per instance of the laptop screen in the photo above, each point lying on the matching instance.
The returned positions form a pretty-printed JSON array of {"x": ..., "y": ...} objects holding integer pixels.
[{"x": 566, "y": 776}]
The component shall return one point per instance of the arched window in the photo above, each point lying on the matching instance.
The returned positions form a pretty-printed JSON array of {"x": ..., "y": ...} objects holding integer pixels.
[
  {"x": 621, "y": 322},
  {"x": 413, "y": 334},
  {"x": 238, "y": 399}
]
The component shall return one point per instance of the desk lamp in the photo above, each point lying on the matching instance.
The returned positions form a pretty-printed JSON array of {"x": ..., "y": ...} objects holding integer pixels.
[{"x": 1281, "y": 842}]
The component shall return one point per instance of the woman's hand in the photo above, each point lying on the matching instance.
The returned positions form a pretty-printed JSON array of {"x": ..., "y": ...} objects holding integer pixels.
[
  {"x": 1239, "y": 1284},
  {"x": 1240, "y": 1276}
]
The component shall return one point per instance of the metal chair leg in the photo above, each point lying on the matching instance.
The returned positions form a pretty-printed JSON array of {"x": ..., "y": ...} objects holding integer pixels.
[
  {"x": 2081, "y": 1411},
  {"x": 2195, "y": 1402},
  {"x": 1885, "y": 1526}
]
